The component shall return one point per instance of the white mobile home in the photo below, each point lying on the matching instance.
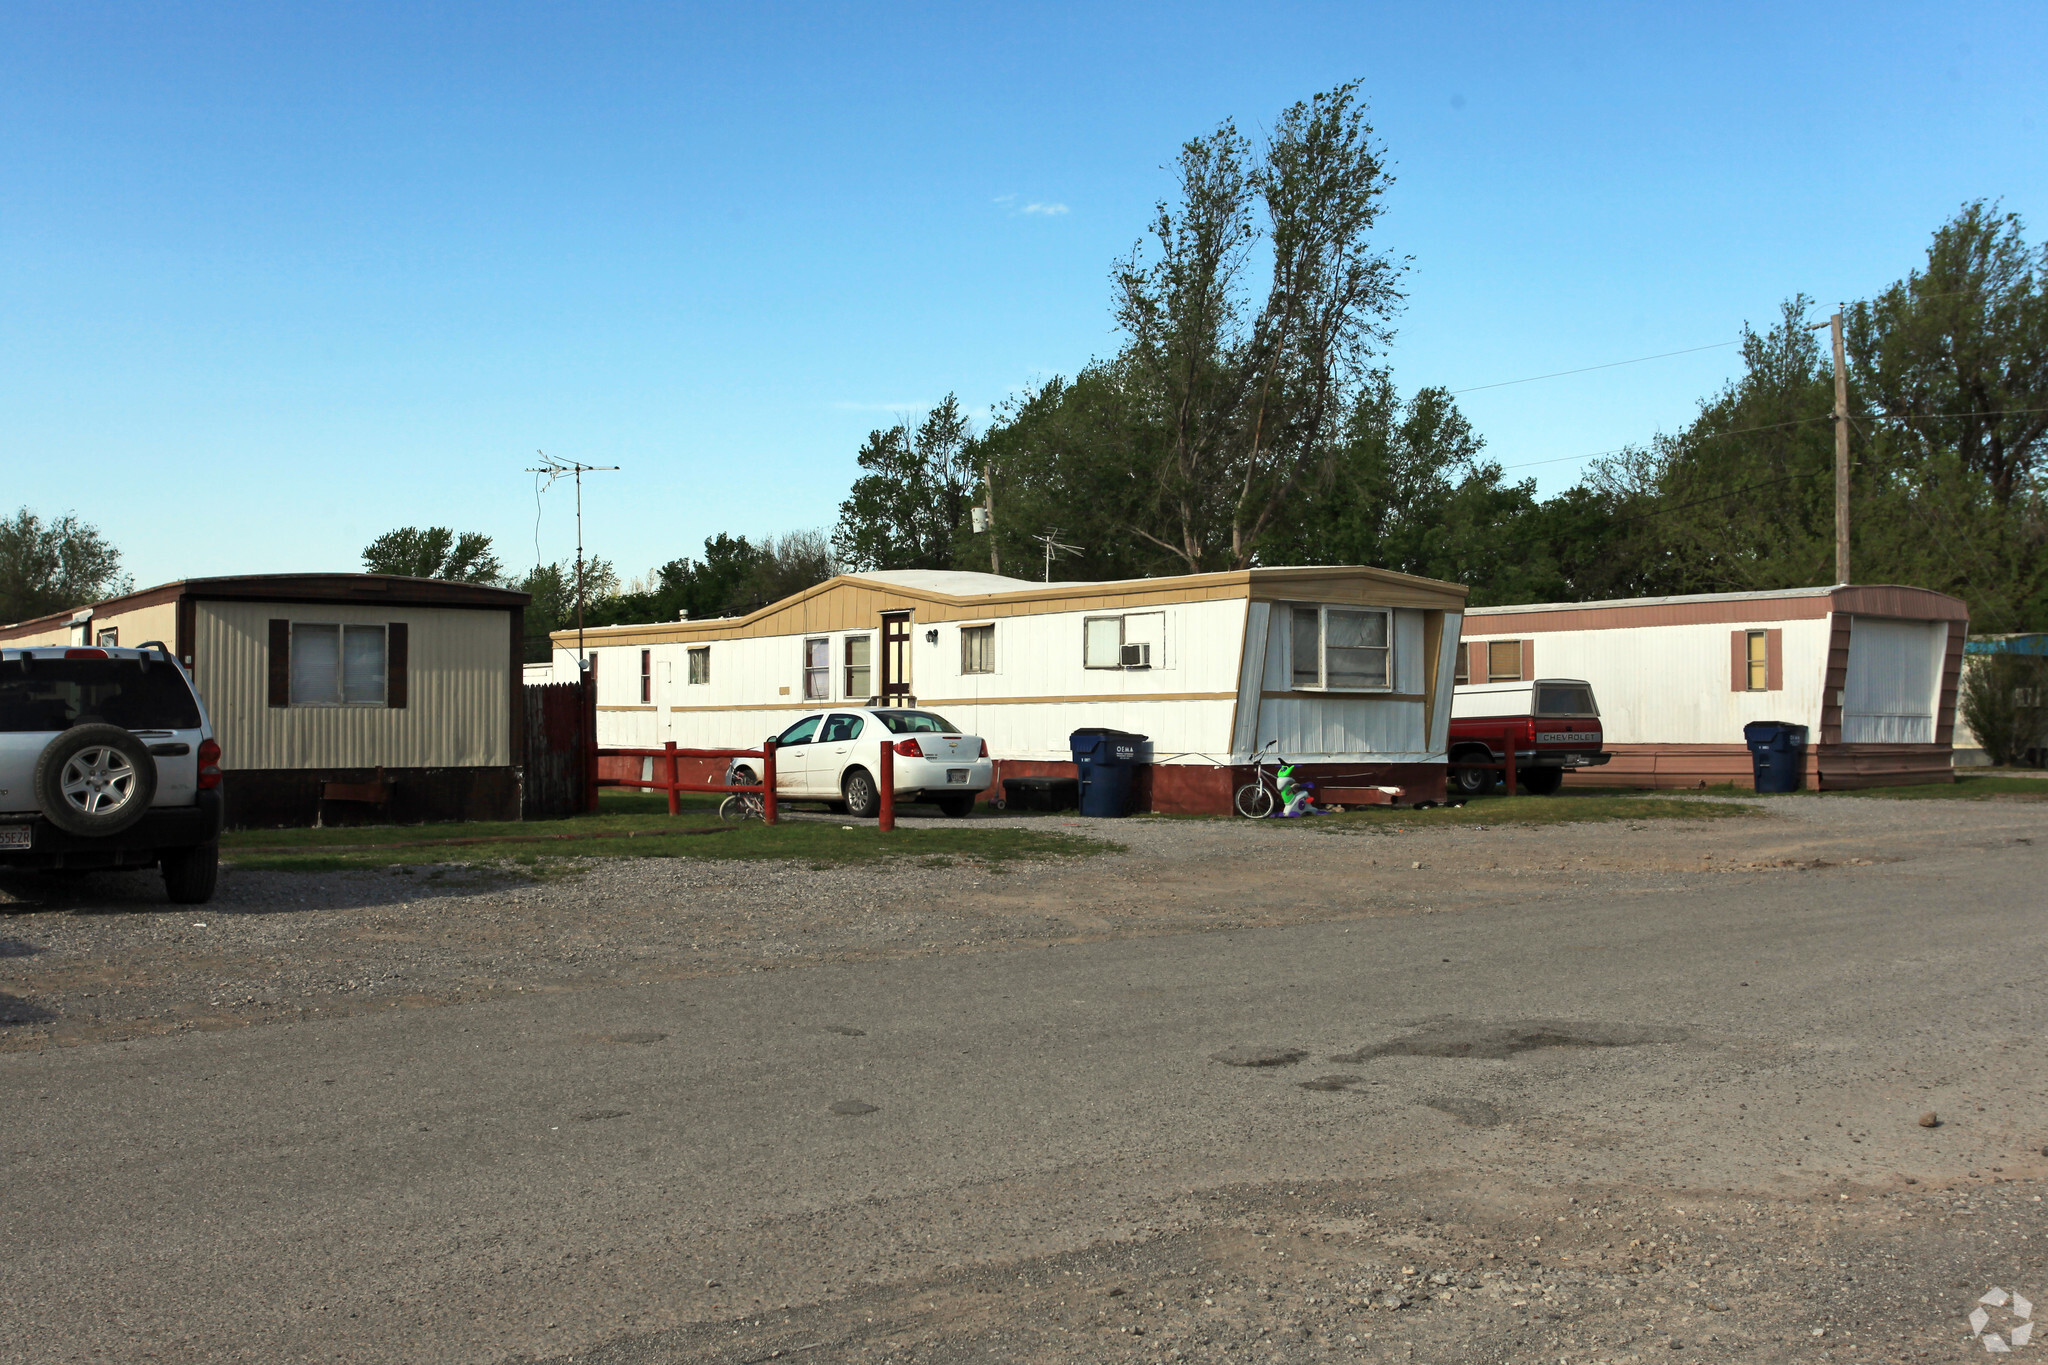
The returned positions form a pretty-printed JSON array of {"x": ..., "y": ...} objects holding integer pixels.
[
  {"x": 1871, "y": 671},
  {"x": 1346, "y": 670}
]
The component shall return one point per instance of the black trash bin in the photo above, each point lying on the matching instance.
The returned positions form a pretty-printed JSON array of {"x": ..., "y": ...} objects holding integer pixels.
[
  {"x": 1778, "y": 752},
  {"x": 1105, "y": 759}
]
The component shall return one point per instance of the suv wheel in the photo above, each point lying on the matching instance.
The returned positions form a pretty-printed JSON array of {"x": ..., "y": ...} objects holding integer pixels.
[
  {"x": 95, "y": 780},
  {"x": 863, "y": 798},
  {"x": 190, "y": 873}
]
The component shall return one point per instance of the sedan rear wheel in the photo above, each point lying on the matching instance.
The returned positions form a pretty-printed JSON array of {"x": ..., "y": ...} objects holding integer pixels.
[{"x": 863, "y": 798}]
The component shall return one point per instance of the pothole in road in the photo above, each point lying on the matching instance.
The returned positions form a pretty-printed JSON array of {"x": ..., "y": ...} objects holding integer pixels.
[
  {"x": 1259, "y": 1056},
  {"x": 1471, "y": 1113},
  {"x": 1495, "y": 1041}
]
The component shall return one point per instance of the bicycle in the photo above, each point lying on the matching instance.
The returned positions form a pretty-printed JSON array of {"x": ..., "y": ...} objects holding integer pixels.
[
  {"x": 1255, "y": 800},
  {"x": 741, "y": 806}
]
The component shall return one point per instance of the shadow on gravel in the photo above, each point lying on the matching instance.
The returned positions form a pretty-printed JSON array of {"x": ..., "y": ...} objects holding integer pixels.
[
  {"x": 1460, "y": 1038},
  {"x": 15, "y": 1010}
]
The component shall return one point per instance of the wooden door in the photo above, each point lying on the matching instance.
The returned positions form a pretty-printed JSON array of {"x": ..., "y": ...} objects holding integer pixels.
[{"x": 896, "y": 658}]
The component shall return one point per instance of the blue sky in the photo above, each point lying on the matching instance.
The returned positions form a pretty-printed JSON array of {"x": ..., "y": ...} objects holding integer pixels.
[{"x": 278, "y": 278}]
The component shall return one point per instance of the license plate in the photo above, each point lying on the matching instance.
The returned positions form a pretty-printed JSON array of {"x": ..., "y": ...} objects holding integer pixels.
[
  {"x": 957, "y": 775},
  {"x": 1574, "y": 761},
  {"x": 15, "y": 836}
]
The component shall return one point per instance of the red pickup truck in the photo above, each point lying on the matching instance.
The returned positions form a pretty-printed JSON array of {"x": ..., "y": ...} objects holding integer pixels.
[{"x": 1552, "y": 723}]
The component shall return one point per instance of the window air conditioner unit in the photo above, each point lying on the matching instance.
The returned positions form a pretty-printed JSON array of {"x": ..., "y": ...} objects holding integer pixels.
[{"x": 1137, "y": 656}]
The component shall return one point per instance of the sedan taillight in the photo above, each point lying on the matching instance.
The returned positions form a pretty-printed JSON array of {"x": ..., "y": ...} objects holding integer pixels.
[
  {"x": 984, "y": 750},
  {"x": 209, "y": 764},
  {"x": 909, "y": 748}
]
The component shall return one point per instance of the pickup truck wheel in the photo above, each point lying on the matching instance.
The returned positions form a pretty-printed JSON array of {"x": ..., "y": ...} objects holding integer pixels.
[
  {"x": 94, "y": 780},
  {"x": 863, "y": 798},
  {"x": 1472, "y": 781},
  {"x": 1542, "y": 781},
  {"x": 190, "y": 873}
]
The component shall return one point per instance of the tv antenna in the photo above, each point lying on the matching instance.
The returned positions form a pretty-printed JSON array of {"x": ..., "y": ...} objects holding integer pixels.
[
  {"x": 545, "y": 473},
  {"x": 1054, "y": 546}
]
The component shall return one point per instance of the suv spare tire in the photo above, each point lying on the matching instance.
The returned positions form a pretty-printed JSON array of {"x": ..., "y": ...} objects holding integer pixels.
[{"x": 95, "y": 780}]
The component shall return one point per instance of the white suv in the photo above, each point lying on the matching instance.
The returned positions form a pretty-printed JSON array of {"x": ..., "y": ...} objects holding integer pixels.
[
  {"x": 834, "y": 755},
  {"x": 107, "y": 759}
]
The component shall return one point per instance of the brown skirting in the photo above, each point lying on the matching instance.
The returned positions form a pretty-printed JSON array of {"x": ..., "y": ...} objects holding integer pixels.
[
  {"x": 285, "y": 798},
  {"x": 1829, "y": 767},
  {"x": 1205, "y": 789}
]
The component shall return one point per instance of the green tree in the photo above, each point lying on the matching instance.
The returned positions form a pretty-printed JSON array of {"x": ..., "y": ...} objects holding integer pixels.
[
  {"x": 54, "y": 566},
  {"x": 904, "y": 511},
  {"x": 435, "y": 552},
  {"x": 551, "y": 589}
]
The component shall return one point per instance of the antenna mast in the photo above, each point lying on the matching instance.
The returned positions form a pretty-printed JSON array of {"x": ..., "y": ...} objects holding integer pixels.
[
  {"x": 555, "y": 469},
  {"x": 1054, "y": 546}
]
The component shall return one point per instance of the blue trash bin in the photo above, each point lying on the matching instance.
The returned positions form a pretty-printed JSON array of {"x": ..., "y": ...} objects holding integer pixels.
[
  {"x": 1105, "y": 759},
  {"x": 1778, "y": 753}
]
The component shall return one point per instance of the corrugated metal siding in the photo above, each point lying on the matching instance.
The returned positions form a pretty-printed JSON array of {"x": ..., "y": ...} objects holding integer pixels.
[
  {"x": 458, "y": 678},
  {"x": 1894, "y": 682},
  {"x": 1669, "y": 684},
  {"x": 1313, "y": 725}
]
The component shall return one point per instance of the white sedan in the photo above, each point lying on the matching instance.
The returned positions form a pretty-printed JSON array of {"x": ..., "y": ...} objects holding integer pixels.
[{"x": 834, "y": 756}]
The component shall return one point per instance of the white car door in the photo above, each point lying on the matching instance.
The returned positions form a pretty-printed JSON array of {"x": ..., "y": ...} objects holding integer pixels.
[
  {"x": 793, "y": 757},
  {"x": 838, "y": 748}
]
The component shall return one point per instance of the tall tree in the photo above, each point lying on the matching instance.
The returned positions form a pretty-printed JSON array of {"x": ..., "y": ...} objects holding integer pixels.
[
  {"x": 54, "y": 566},
  {"x": 918, "y": 483},
  {"x": 435, "y": 552},
  {"x": 1248, "y": 399}
]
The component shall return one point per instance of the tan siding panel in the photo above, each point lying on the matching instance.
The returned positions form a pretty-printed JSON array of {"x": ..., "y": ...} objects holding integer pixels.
[{"x": 456, "y": 716}]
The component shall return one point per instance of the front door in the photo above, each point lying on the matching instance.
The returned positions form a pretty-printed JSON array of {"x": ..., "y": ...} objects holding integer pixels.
[{"x": 895, "y": 658}]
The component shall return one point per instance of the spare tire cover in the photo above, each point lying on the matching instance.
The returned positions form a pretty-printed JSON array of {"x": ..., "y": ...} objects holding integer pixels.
[{"x": 95, "y": 780}]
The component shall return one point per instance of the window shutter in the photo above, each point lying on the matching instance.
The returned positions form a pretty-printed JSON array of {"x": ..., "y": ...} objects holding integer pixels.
[
  {"x": 280, "y": 663},
  {"x": 1774, "y": 661},
  {"x": 395, "y": 649},
  {"x": 1528, "y": 661},
  {"x": 1738, "y": 661}
]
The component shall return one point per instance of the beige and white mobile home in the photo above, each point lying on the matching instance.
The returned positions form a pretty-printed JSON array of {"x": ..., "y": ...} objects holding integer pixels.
[
  {"x": 1344, "y": 669},
  {"x": 1871, "y": 671},
  {"x": 337, "y": 696}
]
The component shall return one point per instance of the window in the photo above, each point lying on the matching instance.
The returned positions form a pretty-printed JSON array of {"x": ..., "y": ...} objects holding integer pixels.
[
  {"x": 646, "y": 676},
  {"x": 1757, "y": 660},
  {"x": 1102, "y": 642},
  {"x": 111, "y": 636},
  {"x": 1464, "y": 673},
  {"x": 46, "y": 695},
  {"x": 801, "y": 732},
  {"x": 977, "y": 649},
  {"x": 916, "y": 723},
  {"x": 1342, "y": 649},
  {"x": 841, "y": 730},
  {"x": 334, "y": 665},
  {"x": 1504, "y": 661},
  {"x": 817, "y": 670},
  {"x": 860, "y": 672},
  {"x": 1565, "y": 699},
  {"x": 700, "y": 664}
]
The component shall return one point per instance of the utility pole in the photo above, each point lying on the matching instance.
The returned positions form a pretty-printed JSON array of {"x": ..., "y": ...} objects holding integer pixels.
[
  {"x": 995, "y": 556},
  {"x": 555, "y": 469},
  {"x": 1841, "y": 455}
]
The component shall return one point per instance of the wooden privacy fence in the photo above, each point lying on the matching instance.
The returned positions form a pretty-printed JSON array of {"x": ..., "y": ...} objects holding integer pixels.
[
  {"x": 668, "y": 776},
  {"x": 561, "y": 744}
]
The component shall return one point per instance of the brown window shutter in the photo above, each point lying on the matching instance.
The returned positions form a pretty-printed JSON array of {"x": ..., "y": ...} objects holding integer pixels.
[
  {"x": 396, "y": 645},
  {"x": 1528, "y": 661},
  {"x": 280, "y": 663},
  {"x": 1738, "y": 661},
  {"x": 1774, "y": 661}
]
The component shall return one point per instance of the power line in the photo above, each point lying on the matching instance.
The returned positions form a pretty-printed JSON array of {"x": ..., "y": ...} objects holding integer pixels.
[{"x": 1588, "y": 369}]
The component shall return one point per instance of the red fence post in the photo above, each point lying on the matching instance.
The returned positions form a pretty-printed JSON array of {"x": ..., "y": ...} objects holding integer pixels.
[
  {"x": 888, "y": 786},
  {"x": 768, "y": 782},
  {"x": 673, "y": 805}
]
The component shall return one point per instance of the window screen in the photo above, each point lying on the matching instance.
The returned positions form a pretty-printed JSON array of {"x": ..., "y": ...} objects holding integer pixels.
[
  {"x": 817, "y": 670},
  {"x": 1355, "y": 648},
  {"x": 1758, "y": 659},
  {"x": 1308, "y": 647},
  {"x": 860, "y": 673},
  {"x": 336, "y": 665},
  {"x": 1464, "y": 673},
  {"x": 1102, "y": 642},
  {"x": 977, "y": 649},
  {"x": 1504, "y": 661},
  {"x": 646, "y": 676},
  {"x": 700, "y": 664}
]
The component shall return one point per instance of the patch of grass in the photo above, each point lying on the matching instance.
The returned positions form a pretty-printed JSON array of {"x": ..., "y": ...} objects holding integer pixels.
[
  {"x": 1962, "y": 789},
  {"x": 632, "y": 825},
  {"x": 1565, "y": 808}
]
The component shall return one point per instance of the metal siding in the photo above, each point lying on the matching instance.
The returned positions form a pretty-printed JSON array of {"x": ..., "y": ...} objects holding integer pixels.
[
  {"x": 458, "y": 677},
  {"x": 1667, "y": 684},
  {"x": 1893, "y": 687}
]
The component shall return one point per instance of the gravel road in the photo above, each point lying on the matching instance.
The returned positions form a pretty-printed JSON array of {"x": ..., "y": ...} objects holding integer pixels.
[{"x": 1597, "y": 1092}]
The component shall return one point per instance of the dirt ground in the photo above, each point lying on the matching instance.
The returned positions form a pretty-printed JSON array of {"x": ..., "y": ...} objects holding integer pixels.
[{"x": 1521, "y": 1253}]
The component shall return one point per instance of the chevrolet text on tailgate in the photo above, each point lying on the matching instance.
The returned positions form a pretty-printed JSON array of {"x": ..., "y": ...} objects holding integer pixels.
[
  {"x": 1552, "y": 724},
  {"x": 107, "y": 759}
]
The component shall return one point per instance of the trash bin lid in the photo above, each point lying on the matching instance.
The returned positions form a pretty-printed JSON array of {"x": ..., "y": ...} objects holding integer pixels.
[{"x": 1103, "y": 732}]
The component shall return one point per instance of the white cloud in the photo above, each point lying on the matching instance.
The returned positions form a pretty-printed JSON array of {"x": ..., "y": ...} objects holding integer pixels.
[
  {"x": 1040, "y": 208},
  {"x": 1048, "y": 210}
]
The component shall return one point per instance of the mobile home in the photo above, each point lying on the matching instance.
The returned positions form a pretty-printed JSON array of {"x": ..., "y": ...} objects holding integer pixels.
[
  {"x": 1346, "y": 670},
  {"x": 336, "y": 697},
  {"x": 1871, "y": 671}
]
